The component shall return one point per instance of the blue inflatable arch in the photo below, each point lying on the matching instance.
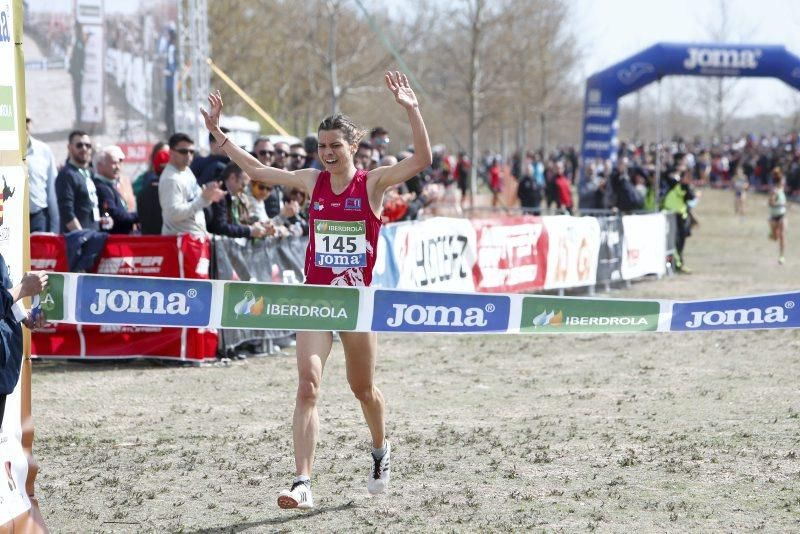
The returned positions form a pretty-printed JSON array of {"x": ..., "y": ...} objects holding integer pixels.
[{"x": 605, "y": 88}]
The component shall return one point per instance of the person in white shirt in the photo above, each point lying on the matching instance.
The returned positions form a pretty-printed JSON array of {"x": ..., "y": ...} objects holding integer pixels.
[
  {"x": 182, "y": 200},
  {"x": 42, "y": 172}
]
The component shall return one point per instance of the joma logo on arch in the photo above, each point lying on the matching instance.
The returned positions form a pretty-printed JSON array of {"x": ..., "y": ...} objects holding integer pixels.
[{"x": 722, "y": 58}]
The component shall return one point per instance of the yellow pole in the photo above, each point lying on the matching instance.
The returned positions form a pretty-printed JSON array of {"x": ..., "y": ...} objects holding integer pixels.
[{"x": 246, "y": 97}]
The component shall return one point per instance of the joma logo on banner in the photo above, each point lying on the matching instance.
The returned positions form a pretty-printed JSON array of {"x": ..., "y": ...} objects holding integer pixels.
[
  {"x": 751, "y": 316},
  {"x": 159, "y": 302},
  {"x": 721, "y": 58},
  {"x": 777, "y": 311},
  {"x": 430, "y": 312},
  {"x": 141, "y": 302}
]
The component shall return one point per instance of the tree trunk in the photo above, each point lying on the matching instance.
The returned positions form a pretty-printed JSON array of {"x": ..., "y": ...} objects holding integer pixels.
[{"x": 332, "y": 62}]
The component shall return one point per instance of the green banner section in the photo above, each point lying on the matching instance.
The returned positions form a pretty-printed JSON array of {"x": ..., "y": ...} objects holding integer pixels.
[
  {"x": 340, "y": 227},
  {"x": 51, "y": 300},
  {"x": 293, "y": 307},
  {"x": 7, "y": 115},
  {"x": 543, "y": 314}
]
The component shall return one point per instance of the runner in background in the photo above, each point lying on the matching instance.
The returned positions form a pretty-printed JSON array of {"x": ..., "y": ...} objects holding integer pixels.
[
  {"x": 740, "y": 186},
  {"x": 777, "y": 211},
  {"x": 344, "y": 222}
]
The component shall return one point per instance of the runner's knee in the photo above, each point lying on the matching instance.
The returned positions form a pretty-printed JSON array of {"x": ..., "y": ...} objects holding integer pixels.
[
  {"x": 363, "y": 392},
  {"x": 308, "y": 390}
]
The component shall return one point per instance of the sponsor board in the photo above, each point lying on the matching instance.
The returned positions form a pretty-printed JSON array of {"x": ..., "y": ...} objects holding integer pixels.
[
  {"x": 402, "y": 311},
  {"x": 437, "y": 254},
  {"x": 9, "y": 140},
  {"x": 769, "y": 311},
  {"x": 143, "y": 301},
  {"x": 52, "y": 298},
  {"x": 573, "y": 246},
  {"x": 297, "y": 307},
  {"x": 642, "y": 253},
  {"x": 12, "y": 188},
  {"x": 130, "y": 265},
  {"x": 549, "y": 315},
  {"x": 512, "y": 254}
]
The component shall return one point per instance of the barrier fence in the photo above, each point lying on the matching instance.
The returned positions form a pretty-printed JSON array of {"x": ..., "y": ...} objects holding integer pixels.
[{"x": 500, "y": 255}]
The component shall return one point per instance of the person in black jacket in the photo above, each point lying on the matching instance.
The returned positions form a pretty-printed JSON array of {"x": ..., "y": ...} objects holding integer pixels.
[
  {"x": 209, "y": 168},
  {"x": 231, "y": 215},
  {"x": 10, "y": 331},
  {"x": 147, "y": 201},
  {"x": 78, "y": 206},
  {"x": 109, "y": 165}
]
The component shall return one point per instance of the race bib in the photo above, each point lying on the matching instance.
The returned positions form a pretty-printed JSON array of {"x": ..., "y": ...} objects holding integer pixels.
[{"x": 340, "y": 244}]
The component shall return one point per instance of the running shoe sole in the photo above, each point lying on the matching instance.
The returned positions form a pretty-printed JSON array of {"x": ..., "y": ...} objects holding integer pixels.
[{"x": 286, "y": 502}]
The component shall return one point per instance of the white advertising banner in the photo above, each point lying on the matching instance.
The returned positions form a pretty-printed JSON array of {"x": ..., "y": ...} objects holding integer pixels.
[
  {"x": 572, "y": 252},
  {"x": 9, "y": 137},
  {"x": 436, "y": 254},
  {"x": 644, "y": 248}
]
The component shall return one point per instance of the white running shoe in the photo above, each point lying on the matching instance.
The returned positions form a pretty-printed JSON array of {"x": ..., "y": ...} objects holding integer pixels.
[
  {"x": 378, "y": 479},
  {"x": 298, "y": 497}
]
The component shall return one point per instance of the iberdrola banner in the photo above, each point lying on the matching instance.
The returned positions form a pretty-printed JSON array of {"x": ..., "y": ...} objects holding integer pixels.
[{"x": 166, "y": 302}]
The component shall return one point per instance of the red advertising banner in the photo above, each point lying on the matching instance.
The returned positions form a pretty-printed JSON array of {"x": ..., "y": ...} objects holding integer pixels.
[
  {"x": 136, "y": 152},
  {"x": 160, "y": 256},
  {"x": 512, "y": 254},
  {"x": 196, "y": 255}
]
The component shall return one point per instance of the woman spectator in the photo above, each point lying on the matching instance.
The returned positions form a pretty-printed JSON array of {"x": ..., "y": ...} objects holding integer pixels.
[
  {"x": 495, "y": 181},
  {"x": 147, "y": 201}
]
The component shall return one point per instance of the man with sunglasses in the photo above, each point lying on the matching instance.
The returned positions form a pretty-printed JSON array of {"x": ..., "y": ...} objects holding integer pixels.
[
  {"x": 297, "y": 157},
  {"x": 281, "y": 159},
  {"x": 264, "y": 151},
  {"x": 182, "y": 199},
  {"x": 274, "y": 202},
  {"x": 78, "y": 207}
]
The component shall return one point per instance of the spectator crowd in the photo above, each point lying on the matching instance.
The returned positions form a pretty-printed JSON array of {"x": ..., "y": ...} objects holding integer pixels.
[{"x": 184, "y": 192}]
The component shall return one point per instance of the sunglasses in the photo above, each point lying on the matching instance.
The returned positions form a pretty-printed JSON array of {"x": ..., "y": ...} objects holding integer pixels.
[
  {"x": 281, "y": 153},
  {"x": 263, "y": 153},
  {"x": 298, "y": 156},
  {"x": 81, "y": 146},
  {"x": 184, "y": 151},
  {"x": 264, "y": 187}
]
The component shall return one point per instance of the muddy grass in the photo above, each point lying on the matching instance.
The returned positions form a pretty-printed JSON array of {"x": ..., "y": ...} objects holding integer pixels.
[{"x": 649, "y": 432}]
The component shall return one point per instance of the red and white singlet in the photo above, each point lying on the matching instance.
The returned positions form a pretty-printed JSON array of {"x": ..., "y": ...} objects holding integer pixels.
[{"x": 343, "y": 234}]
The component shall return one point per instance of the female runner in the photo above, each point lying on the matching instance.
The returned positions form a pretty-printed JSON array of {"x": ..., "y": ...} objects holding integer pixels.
[
  {"x": 339, "y": 193},
  {"x": 777, "y": 211}
]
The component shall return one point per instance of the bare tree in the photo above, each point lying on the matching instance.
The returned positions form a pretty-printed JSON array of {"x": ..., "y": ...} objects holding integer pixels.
[
  {"x": 546, "y": 55},
  {"x": 472, "y": 66},
  {"x": 718, "y": 97}
]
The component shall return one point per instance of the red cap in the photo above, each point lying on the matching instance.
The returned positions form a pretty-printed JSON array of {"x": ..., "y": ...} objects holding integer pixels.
[{"x": 160, "y": 160}]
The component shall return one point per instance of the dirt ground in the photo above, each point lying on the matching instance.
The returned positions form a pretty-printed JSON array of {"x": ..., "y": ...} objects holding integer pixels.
[{"x": 645, "y": 432}]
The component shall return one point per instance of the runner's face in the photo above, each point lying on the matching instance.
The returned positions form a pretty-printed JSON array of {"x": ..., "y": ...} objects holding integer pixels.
[{"x": 334, "y": 151}]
